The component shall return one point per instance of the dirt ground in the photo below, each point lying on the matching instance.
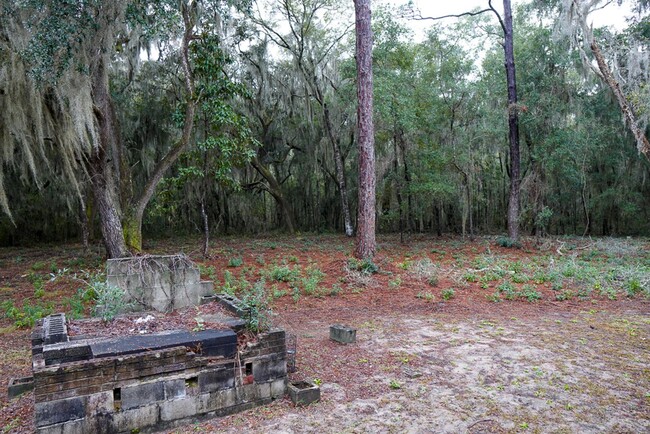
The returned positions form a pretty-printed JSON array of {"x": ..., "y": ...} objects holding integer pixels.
[{"x": 566, "y": 350}]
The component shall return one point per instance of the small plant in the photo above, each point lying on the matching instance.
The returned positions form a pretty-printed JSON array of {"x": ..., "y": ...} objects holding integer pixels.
[
  {"x": 395, "y": 283},
  {"x": 470, "y": 277},
  {"x": 365, "y": 266},
  {"x": 284, "y": 274},
  {"x": 494, "y": 298},
  {"x": 200, "y": 324},
  {"x": 508, "y": 243},
  {"x": 237, "y": 261},
  {"x": 394, "y": 384},
  {"x": 448, "y": 294},
  {"x": 318, "y": 382},
  {"x": 293, "y": 259},
  {"x": 530, "y": 294},
  {"x": 520, "y": 278},
  {"x": 426, "y": 296},
  {"x": 563, "y": 296},
  {"x": 404, "y": 265},
  {"x": 208, "y": 271},
  {"x": 335, "y": 290},
  {"x": 26, "y": 316},
  {"x": 507, "y": 290}
]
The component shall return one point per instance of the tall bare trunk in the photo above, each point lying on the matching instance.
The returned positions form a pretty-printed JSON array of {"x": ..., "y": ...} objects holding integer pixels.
[
  {"x": 366, "y": 243},
  {"x": 340, "y": 172},
  {"x": 513, "y": 123}
]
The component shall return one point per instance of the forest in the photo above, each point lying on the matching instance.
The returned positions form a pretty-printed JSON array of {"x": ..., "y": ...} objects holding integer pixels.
[
  {"x": 465, "y": 192},
  {"x": 131, "y": 120}
]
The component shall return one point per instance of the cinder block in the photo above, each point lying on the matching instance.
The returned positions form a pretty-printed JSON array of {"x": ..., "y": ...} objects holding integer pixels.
[
  {"x": 303, "y": 392},
  {"x": 278, "y": 388},
  {"x": 18, "y": 386},
  {"x": 269, "y": 368},
  {"x": 179, "y": 408},
  {"x": 343, "y": 334},
  {"x": 175, "y": 388},
  {"x": 135, "y": 419},
  {"x": 99, "y": 403},
  {"x": 264, "y": 390},
  {"x": 217, "y": 401},
  {"x": 62, "y": 410},
  {"x": 142, "y": 394},
  {"x": 217, "y": 379}
]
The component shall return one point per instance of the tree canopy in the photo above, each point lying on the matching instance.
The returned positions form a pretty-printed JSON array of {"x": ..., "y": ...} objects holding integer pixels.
[{"x": 132, "y": 116}]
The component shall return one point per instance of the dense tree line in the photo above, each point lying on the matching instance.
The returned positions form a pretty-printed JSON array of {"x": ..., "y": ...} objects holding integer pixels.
[{"x": 237, "y": 117}]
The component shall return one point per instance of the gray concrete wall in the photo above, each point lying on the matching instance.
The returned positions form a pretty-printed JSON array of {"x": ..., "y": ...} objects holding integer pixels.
[{"x": 162, "y": 283}]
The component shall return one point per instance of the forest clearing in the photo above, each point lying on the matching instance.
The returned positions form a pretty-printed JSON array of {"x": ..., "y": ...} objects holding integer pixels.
[
  {"x": 463, "y": 189},
  {"x": 452, "y": 335}
]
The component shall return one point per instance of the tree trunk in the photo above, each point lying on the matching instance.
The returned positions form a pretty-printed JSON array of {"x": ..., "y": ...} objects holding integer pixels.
[
  {"x": 340, "y": 173},
  {"x": 365, "y": 243},
  {"x": 398, "y": 189},
  {"x": 606, "y": 74},
  {"x": 135, "y": 213},
  {"x": 276, "y": 191},
  {"x": 206, "y": 230},
  {"x": 100, "y": 168},
  {"x": 513, "y": 124}
]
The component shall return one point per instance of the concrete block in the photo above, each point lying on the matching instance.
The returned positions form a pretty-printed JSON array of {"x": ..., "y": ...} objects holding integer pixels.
[
  {"x": 18, "y": 386},
  {"x": 136, "y": 419},
  {"x": 142, "y": 394},
  {"x": 179, "y": 408},
  {"x": 207, "y": 288},
  {"x": 216, "y": 401},
  {"x": 66, "y": 352},
  {"x": 209, "y": 342},
  {"x": 303, "y": 392},
  {"x": 62, "y": 410},
  {"x": 217, "y": 379},
  {"x": 264, "y": 390},
  {"x": 175, "y": 388},
  {"x": 99, "y": 403},
  {"x": 343, "y": 334},
  {"x": 54, "y": 329},
  {"x": 278, "y": 388},
  {"x": 269, "y": 368}
]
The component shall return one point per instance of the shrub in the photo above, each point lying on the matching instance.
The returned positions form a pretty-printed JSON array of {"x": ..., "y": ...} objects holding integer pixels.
[{"x": 110, "y": 300}]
